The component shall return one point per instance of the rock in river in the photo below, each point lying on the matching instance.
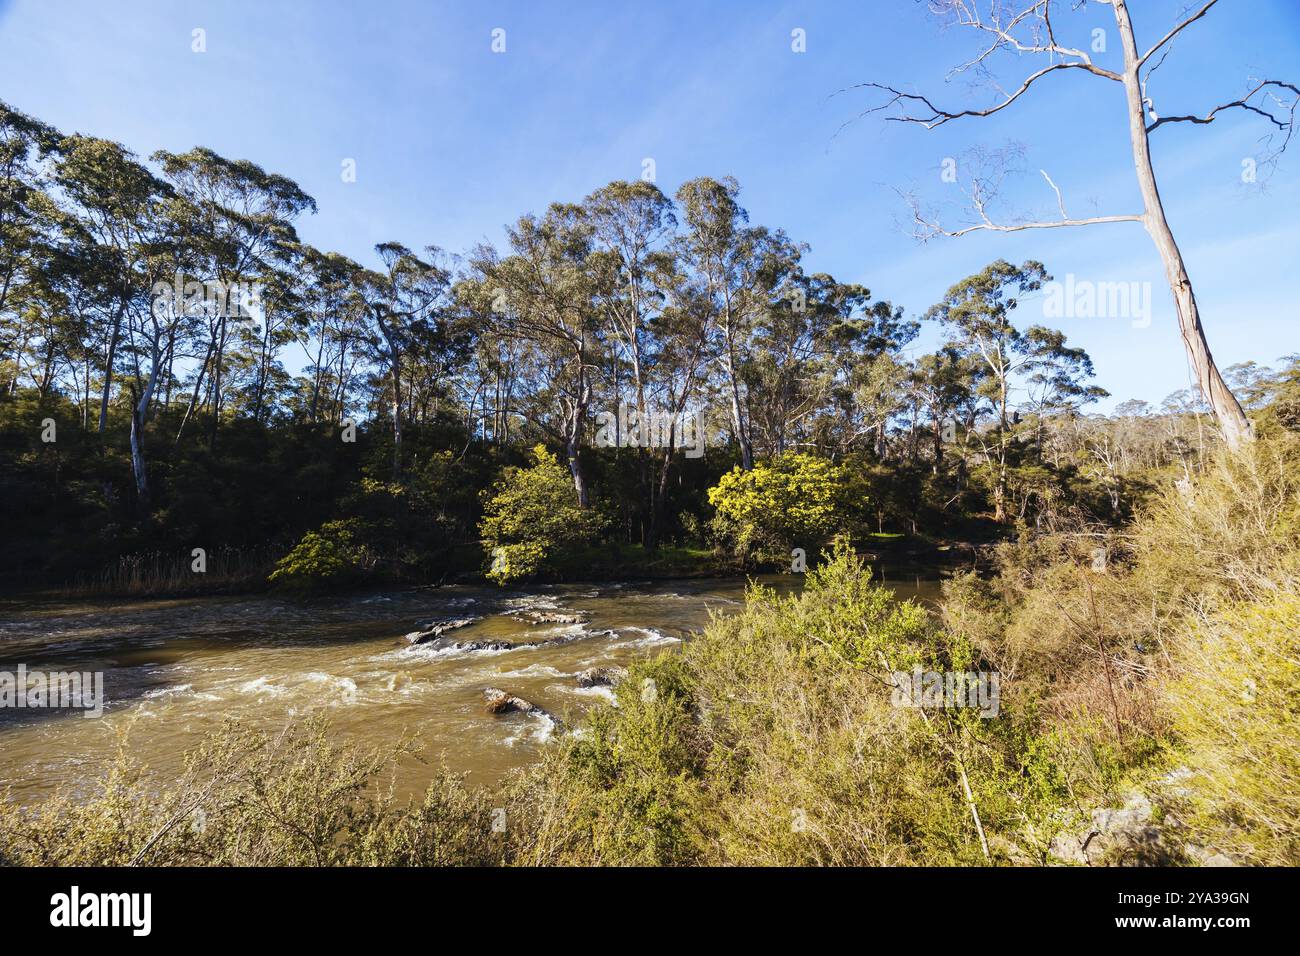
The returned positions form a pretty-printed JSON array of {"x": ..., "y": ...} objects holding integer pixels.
[
  {"x": 498, "y": 701},
  {"x": 600, "y": 676},
  {"x": 551, "y": 617},
  {"x": 432, "y": 630}
]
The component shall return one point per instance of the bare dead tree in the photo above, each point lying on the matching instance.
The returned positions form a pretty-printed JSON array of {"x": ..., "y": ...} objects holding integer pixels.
[{"x": 1026, "y": 28}]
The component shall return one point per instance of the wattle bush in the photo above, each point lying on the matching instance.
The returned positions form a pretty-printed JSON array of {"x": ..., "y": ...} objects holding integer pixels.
[{"x": 793, "y": 501}]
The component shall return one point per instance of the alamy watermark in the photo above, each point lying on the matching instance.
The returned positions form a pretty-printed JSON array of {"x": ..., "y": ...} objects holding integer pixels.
[
  {"x": 213, "y": 297},
  {"x": 1085, "y": 299},
  {"x": 53, "y": 690},
  {"x": 978, "y": 690},
  {"x": 630, "y": 429}
]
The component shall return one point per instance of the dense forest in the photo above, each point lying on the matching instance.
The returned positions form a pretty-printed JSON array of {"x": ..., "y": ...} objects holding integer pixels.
[{"x": 180, "y": 371}]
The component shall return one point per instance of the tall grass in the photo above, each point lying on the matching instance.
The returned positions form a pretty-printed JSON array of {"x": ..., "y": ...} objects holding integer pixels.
[{"x": 158, "y": 573}]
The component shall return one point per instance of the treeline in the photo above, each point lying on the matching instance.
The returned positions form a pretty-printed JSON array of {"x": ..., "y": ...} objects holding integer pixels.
[{"x": 179, "y": 369}]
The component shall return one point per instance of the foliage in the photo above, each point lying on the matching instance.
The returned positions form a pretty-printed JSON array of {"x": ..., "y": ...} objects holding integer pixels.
[
  {"x": 182, "y": 424},
  {"x": 1237, "y": 721},
  {"x": 248, "y": 798},
  {"x": 772, "y": 739},
  {"x": 530, "y": 516},
  {"x": 795, "y": 500},
  {"x": 329, "y": 555},
  {"x": 1173, "y": 650}
]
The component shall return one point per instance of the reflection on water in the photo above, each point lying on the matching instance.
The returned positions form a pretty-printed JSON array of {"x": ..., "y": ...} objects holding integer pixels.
[{"x": 174, "y": 670}]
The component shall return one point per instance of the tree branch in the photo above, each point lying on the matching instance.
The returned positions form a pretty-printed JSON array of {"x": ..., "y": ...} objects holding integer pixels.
[
  {"x": 937, "y": 116},
  {"x": 1176, "y": 30},
  {"x": 1037, "y": 36},
  {"x": 983, "y": 191},
  {"x": 1018, "y": 227},
  {"x": 1287, "y": 125}
]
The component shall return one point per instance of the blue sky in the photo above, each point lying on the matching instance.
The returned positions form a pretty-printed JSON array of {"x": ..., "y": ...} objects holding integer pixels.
[{"x": 451, "y": 141}]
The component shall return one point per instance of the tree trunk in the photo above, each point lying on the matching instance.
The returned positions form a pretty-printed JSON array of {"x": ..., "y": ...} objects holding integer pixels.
[
  {"x": 575, "y": 469},
  {"x": 108, "y": 366},
  {"x": 194, "y": 396},
  {"x": 395, "y": 370},
  {"x": 1232, "y": 420},
  {"x": 215, "y": 378},
  {"x": 138, "y": 412}
]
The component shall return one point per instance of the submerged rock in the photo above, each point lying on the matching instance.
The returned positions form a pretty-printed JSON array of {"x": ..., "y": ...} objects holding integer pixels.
[
  {"x": 498, "y": 701},
  {"x": 600, "y": 676},
  {"x": 432, "y": 630}
]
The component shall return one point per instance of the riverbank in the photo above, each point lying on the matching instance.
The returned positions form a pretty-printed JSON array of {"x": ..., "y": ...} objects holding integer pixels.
[
  {"x": 1145, "y": 713},
  {"x": 233, "y": 574}
]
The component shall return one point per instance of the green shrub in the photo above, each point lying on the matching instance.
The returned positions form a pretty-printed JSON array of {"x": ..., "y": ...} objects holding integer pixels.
[
  {"x": 794, "y": 501},
  {"x": 329, "y": 555},
  {"x": 1236, "y": 708},
  {"x": 772, "y": 740},
  {"x": 531, "y": 516}
]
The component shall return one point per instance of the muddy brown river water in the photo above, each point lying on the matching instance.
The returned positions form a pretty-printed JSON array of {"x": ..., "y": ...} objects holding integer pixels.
[{"x": 175, "y": 669}]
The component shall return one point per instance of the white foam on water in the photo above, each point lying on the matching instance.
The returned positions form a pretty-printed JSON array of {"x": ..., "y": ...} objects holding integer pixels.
[
  {"x": 262, "y": 686},
  {"x": 531, "y": 602},
  {"x": 346, "y": 686},
  {"x": 533, "y": 670},
  {"x": 653, "y": 637},
  {"x": 543, "y": 729},
  {"x": 428, "y": 652},
  {"x": 600, "y": 692}
]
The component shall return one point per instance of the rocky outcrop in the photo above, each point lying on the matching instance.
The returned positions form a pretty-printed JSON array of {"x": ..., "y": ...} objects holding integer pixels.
[
  {"x": 600, "y": 676},
  {"x": 1127, "y": 836},
  {"x": 498, "y": 701},
  {"x": 552, "y": 617},
  {"x": 432, "y": 630},
  {"x": 481, "y": 646}
]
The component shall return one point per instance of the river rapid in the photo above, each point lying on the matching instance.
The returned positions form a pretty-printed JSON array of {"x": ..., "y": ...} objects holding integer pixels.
[{"x": 173, "y": 670}]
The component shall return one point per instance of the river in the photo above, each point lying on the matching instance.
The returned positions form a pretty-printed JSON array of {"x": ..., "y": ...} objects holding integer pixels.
[{"x": 175, "y": 669}]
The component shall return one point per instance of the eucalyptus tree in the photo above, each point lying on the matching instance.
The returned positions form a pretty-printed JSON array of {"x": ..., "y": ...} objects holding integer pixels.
[
  {"x": 869, "y": 343},
  {"x": 631, "y": 226},
  {"x": 335, "y": 330},
  {"x": 977, "y": 313},
  {"x": 281, "y": 319},
  {"x": 25, "y": 143},
  {"x": 682, "y": 332},
  {"x": 408, "y": 299},
  {"x": 155, "y": 324},
  {"x": 1026, "y": 29},
  {"x": 74, "y": 278},
  {"x": 1056, "y": 378},
  {"x": 546, "y": 293},
  {"x": 791, "y": 368},
  {"x": 238, "y": 219},
  {"x": 629, "y": 223},
  {"x": 740, "y": 267},
  {"x": 108, "y": 201},
  {"x": 48, "y": 323},
  {"x": 943, "y": 382}
]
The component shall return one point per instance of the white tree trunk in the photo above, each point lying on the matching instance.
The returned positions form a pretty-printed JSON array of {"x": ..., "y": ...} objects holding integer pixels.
[{"x": 1232, "y": 420}]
